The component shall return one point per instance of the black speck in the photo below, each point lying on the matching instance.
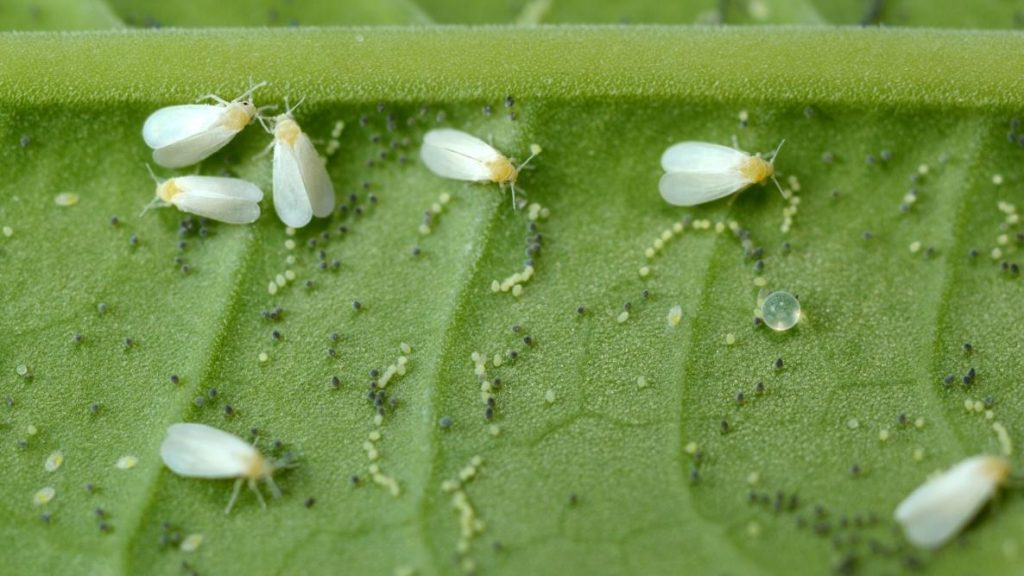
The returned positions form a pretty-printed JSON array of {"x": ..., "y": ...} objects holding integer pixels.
[
  {"x": 444, "y": 422},
  {"x": 309, "y": 502},
  {"x": 724, "y": 426},
  {"x": 581, "y": 310},
  {"x": 356, "y": 305},
  {"x": 335, "y": 382},
  {"x": 175, "y": 379},
  {"x": 778, "y": 364},
  {"x": 229, "y": 410},
  {"x": 509, "y": 102},
  {"x": 968, "y": 348}
]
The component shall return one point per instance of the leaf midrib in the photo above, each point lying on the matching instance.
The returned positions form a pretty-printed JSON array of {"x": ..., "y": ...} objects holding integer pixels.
[{"x": 211, "y": 361}]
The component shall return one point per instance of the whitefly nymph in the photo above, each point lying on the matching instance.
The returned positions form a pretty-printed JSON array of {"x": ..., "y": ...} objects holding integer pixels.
[
  {"x": 457, "y": 155},
  {"x": 200, "y": 451},
  {"x": 183, "y": 135},
  {"x": 941, "y": 507},
  {"x": 700, "y": 172}
]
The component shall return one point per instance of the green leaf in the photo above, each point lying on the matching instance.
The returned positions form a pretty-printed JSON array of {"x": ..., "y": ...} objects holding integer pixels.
[
  {"x": 57, "y": 15},
  {"x": 588, "y": 471},
  {"x": 191, "y": 13}
]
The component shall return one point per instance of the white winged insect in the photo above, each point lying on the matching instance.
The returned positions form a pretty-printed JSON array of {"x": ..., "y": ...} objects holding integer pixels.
[
  {"x": 699, "y": 172},
  {"x": 938, "y": 509},
  {"x": 183, "y": 135},
  {"x": 200, "y": 451},
  {"x": 218, "y": 198},
  {"x": 302, "y": 188},
  {"x": 460, "y": 156}
]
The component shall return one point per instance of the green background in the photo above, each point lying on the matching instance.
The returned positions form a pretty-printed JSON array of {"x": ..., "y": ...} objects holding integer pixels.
[{"x": 598, "y": 481}]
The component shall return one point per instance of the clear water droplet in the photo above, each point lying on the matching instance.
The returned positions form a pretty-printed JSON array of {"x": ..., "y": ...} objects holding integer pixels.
[{"x": 781, "y": 311}]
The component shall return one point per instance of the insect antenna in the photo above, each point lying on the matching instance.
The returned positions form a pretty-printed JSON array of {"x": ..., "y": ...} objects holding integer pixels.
[{"x": 156, "y": 200}]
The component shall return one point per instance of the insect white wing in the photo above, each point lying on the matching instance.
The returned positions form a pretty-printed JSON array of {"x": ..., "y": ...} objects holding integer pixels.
[
  {"x": 221, "y": 187},
  {"x": 938, "y": 509},
  {"x": 290, "y": 199},
  {"x": 201, "y": 451},
  {"x": 699, "y": 172},
  {"x": 458, "y": 155},
  {"x": 692, "y": 188},
  {"x": 225, "y": 199},
  {"x": 701, "y": 157},
  {"x": 176, "y": 123},
  {"x": 314, "y": 176},
  {"x": 194, "y": 148},
  {"x": 302, "y": 188}
]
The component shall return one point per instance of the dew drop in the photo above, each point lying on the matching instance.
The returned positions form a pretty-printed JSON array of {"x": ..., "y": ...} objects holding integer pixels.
[{"x": 780, "y": 311}]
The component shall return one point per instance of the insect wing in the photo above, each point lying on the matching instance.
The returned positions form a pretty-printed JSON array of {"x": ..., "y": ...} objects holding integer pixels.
[
  {"x": 176, "y": 123},
  {"x": 202, "y": 451},
  {"x": 457, "y": 155},
  {"x": 317, "y": 183},
  {"x": 291, "y": 201}
]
